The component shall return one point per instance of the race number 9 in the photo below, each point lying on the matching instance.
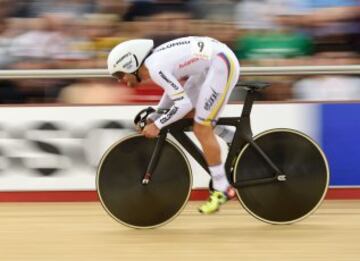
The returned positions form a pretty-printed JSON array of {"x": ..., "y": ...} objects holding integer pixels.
[{"x": 201, "y": 48}]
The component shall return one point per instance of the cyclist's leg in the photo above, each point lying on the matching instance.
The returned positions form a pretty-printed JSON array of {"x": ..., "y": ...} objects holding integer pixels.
[
  {"x": 211, "y": 148},
  {"x": 214, "y": 94},
  {"x": 192, "y": 89}
]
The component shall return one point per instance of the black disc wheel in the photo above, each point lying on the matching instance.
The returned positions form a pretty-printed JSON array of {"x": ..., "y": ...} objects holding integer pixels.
[
  {"x": 303, "y": 163},
  {"x": 120, "y": 188}
]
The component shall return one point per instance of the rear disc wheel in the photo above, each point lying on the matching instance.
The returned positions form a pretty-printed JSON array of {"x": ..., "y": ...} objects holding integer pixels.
[{"x": 307, "y": 177}]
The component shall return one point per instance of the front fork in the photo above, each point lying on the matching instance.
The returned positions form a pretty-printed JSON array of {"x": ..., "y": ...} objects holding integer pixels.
[{"x": 154, "y": 158}]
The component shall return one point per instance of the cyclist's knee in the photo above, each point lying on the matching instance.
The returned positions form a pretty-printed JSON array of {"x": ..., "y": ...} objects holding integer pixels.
[{"x": 201, "y": 130}]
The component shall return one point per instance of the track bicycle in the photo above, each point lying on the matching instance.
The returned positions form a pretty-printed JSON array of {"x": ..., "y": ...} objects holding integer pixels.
[{"x": 280, "y": 176}]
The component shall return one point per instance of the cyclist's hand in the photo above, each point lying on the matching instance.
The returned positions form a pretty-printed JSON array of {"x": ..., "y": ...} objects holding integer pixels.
[
  {"x": 151, "y": 131},
  {"x": 140, "y": 129}
]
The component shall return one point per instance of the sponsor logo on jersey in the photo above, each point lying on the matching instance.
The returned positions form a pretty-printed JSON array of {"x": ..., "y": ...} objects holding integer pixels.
[
  {"x": 162, "y": 75},
  {"x": 168, "y": 116},
  {"x": 170, "y": 45},
  {"x": 211, "y": 100},
  {"x": 189, "y": 62},
  {"x": 178, "y": 99}
]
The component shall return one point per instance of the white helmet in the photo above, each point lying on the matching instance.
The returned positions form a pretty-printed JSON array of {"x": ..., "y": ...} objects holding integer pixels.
[{"x": 128, "y": 56}]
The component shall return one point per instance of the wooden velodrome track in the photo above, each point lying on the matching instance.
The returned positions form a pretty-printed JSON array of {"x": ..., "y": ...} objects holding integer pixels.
[{"x": 83, "y": 231}]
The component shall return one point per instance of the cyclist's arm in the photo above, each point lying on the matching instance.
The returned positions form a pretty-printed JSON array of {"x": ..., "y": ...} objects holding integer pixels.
[
  {"x": 164, "y": 104},
  {"x": 182, "y": 104}
]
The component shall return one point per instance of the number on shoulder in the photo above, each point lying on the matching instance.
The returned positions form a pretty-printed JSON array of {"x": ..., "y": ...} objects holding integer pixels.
[{"x": 201, "y": 48}]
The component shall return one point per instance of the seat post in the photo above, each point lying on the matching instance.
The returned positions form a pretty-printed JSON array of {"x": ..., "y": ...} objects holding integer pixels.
[{"x": 248, "y": 103}]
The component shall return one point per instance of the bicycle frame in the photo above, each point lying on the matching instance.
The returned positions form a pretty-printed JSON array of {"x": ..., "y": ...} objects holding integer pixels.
[{"x": 243, "y": 135}]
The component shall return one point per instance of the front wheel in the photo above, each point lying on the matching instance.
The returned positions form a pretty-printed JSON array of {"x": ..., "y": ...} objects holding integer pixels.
[
  {"x": 120, "y": 188},
  {"x": 307, "y": 176}
]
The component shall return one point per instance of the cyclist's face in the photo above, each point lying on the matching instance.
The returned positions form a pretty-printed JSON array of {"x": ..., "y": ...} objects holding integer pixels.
[
  {"x": 130, "y": 80},
  {"x": 126, "y": 78}
]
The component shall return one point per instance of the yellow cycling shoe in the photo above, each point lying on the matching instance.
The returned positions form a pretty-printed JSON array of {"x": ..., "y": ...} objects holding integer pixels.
[{"x": 216, "y": 199}]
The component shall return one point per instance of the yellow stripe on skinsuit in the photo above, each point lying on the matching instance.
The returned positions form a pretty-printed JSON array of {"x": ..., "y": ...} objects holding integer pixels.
[
  {"x": 177, "y": 94},
  {"x": 217, "y": 107}
]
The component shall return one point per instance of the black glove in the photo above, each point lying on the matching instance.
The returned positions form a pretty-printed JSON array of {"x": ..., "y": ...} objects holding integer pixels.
[{"x": 140, "y": 118}]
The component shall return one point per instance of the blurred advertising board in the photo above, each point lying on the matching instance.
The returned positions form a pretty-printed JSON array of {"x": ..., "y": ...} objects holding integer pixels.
[{"x": 58, "y": 148}]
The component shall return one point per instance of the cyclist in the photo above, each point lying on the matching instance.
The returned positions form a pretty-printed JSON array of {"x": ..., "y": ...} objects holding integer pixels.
[{"x": 209, "y": 70}]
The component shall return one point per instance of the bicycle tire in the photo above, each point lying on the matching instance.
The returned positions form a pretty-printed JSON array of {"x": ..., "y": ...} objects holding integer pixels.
[
  {"x": 126, "y": 199},
  {"x": 307, "y": 177}
]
